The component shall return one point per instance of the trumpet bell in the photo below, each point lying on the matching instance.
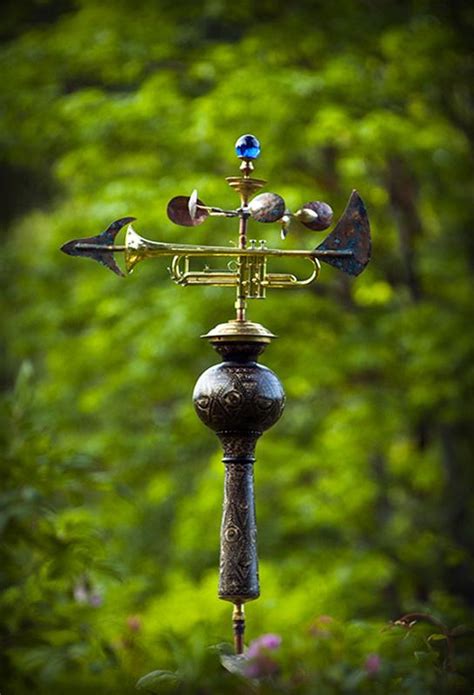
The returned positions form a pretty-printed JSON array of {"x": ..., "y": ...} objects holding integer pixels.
[
  {"x": 137, "y": 248},
  {"x": 134, "y": 246}
]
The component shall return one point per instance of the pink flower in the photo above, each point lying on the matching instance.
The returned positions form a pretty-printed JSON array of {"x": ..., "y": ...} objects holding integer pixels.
[
  {"x": 372, "y": 664},
  {"x": 261, "y": 667},
  {"x": 260, "y": 662},
  {"x": 269, "y": 641}
]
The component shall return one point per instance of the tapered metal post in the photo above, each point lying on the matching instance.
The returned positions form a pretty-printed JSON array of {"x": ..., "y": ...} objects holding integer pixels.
[{"x": 239, "y": 399}]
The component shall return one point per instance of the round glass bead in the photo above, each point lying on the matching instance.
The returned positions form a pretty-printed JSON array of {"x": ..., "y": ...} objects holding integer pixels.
[{"x": 247, "y": 147}]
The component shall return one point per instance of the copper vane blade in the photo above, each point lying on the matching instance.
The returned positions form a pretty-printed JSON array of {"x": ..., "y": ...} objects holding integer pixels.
[{"x": 352, "y": 233}]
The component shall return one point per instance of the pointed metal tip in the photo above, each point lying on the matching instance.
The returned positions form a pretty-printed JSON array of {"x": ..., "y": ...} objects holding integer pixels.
[
  {"x": 69, "y": 248},
  {"x": 101, "y": 247}
]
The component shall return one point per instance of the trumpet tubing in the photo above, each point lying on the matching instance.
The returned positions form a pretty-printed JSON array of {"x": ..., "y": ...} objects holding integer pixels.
[
  {"x": 249, "y": 274},
  {"x": 138, "y": 249},
  {"x": 247, "y": 269}
]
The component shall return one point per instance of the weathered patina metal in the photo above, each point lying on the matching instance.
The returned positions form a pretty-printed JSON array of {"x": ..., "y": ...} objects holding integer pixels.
[
  {"x": 100, "y": 248},
  {"x": 351, "y": 233}
]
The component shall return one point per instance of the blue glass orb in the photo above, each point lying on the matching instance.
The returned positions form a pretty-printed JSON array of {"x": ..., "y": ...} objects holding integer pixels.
[{"x": 247, "y": 147}]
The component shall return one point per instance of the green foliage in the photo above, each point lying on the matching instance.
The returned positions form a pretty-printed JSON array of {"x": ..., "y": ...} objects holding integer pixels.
[
  {"x": 327, "y": 657},
  {"x": 111, "y": 488}
]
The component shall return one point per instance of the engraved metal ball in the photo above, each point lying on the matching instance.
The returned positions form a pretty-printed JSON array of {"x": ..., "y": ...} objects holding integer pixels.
[{"x": 239, "y": 397}]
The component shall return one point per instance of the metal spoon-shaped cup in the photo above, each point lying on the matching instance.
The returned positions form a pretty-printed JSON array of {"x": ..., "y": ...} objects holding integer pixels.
[
  {"x": 315, "y": 215},
  {"x": 178, "y": 211}
]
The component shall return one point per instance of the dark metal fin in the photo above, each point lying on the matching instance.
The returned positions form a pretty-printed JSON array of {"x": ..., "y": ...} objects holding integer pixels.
[
  {"x": 105, "y": 256},
  {"x": 351, "y": 233}
]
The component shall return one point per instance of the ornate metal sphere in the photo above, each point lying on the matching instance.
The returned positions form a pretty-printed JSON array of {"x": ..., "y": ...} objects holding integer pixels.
[{"x": 247, "y": 397}]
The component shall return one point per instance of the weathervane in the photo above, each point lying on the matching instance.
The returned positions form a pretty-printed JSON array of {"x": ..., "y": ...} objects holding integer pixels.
[{"x": 239, "y": 399}]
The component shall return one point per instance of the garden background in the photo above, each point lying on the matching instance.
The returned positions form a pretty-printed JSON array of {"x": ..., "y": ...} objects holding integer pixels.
[{"x": 111, "y": 487}]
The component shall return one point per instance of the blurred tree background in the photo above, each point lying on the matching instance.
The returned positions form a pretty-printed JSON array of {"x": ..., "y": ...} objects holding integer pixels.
[{"x": 111, "y": 487}]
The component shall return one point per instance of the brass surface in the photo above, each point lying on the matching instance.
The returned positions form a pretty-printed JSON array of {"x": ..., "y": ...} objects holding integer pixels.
[
  {"x": 245, "y": 185},
  {"x": 238, "y": 627},
  {"x": 248, "y": 273},
  {"x": 137, "y": 249},
  {"x": 239, "y": 331}
]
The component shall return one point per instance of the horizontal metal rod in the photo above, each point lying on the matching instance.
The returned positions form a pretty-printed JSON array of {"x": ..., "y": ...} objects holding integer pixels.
[
  {"x": 104, "y": 248},
  {"x": 163, "y": 249}
]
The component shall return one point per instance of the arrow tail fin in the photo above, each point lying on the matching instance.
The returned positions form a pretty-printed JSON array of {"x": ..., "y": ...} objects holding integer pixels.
[{"x": 352, "y": 233}]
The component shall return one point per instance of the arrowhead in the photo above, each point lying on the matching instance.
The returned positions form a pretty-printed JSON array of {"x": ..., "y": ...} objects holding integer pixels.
[{"x": 78, "y": 247}]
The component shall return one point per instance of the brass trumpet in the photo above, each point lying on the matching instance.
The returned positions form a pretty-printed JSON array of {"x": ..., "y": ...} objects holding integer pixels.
[
  {"x": 247, "y": 268},
  {"x": 347, "y": 248}
]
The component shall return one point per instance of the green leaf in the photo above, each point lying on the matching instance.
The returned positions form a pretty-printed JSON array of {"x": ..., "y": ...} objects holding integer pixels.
[
  {"x": 436, "y": 637},
  {"x": 222, "y": 648},
  {"x": 158, "y": 681},
  {"x": 234, "y": 663},
  {"x": 425, "y": 657}
]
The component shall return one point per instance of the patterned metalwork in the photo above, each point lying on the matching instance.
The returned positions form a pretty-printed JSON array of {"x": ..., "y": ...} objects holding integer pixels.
[
  {"x": 239, "y": 399},
  {"x": 238, "y": 565}
]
